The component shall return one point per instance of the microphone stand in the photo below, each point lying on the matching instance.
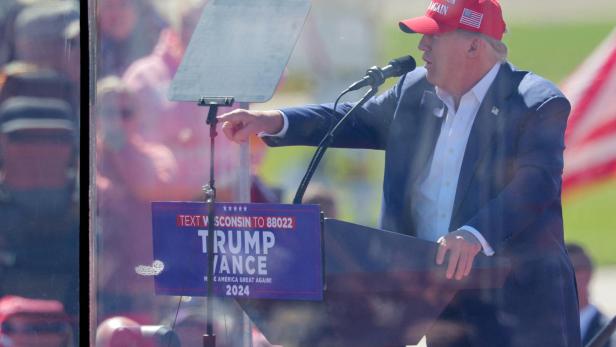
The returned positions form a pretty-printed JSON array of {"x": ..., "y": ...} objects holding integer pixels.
[
  {"x": 329, "y": 137},
  {"x": 209, "y": 190}
]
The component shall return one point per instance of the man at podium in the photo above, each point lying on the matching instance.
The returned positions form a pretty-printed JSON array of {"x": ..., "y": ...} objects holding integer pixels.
[{"x": 474, "y": 157}]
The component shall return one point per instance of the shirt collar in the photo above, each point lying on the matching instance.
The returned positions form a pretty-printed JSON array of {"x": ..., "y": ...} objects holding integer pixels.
[{"x": 479, "y": 90}]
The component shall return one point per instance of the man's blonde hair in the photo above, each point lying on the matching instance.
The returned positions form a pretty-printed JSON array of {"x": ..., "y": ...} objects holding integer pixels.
[{"x": 499, "y": 49}]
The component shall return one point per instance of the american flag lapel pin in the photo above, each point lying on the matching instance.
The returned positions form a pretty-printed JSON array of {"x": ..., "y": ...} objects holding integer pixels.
[{"x": 495, "y": 111}]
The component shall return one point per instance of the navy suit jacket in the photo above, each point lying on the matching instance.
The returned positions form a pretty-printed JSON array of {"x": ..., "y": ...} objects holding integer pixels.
[{"x": 509, "y": 187}]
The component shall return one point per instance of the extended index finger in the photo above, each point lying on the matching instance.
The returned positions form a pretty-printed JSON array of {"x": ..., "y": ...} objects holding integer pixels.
[{"x": 233, "y": 116}]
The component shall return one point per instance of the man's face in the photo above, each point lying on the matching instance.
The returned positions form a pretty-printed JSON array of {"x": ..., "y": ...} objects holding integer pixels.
[
  {"x": 117, "y": 18},
  {"x": 116, "y": 117},
  {"x": 444, "y": 55}
]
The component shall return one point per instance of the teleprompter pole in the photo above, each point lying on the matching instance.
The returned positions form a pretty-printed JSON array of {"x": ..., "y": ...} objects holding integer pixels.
[{"x": 209, "y": 190}]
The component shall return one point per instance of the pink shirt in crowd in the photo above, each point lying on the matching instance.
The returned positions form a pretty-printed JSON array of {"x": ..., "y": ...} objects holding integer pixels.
[{"x": 166, "y": 159}]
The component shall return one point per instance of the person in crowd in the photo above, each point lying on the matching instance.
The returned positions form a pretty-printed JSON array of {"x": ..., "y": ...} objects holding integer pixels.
[
  {"x": 260, "y": 191},
  {"x": 47, "y": 36},
  {"x": 40, "y": 48},
  {"x": 325, "y": 198},
  {"x": 126, "y": 30},
  {"x": 26, "y": 322},
  {"x": 592, "y": 320},
  {"x": 42, "y": 31},
  {"x": 130, "y": 173},
  {"x": 121, "y": 331},
  {"x": 117, "y": 331},
  {"x": 167, "y": 146},
  {"x": 259, "y": 340},
  {"x": 179, "y": 126},
  {"x": 19, "y": 78},
  {"x": 39, "y": 229},
  {"x": 8, "y": 11},
  {"x": 474, "y": 157},
  {"x": 190, "y": 323}
]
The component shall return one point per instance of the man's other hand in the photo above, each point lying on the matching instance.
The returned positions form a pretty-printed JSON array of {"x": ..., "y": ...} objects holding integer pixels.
[
  {"x": 462, "y": 246},
  {"x": 239, "y": 124}
]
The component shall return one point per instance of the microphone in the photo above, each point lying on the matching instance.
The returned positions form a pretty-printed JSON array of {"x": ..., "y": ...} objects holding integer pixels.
[{"x": 375, "y": 76}]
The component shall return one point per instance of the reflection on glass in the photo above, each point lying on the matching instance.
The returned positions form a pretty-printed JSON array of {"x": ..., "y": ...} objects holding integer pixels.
[
  {"x": 39, "y": 166},
  {"x": 150, "y": 149}
]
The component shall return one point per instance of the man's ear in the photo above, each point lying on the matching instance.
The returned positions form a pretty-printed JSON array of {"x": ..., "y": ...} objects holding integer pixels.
[{"x": 475, "y": 46}]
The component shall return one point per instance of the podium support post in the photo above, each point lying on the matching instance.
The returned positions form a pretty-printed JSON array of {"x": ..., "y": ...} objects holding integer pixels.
[{"x": 209, "y": 190}]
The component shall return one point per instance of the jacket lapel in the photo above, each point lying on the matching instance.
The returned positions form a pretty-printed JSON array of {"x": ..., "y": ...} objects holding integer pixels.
[
  {"x": 432, "y": 113},
  {"x": 489, "y": 121}
]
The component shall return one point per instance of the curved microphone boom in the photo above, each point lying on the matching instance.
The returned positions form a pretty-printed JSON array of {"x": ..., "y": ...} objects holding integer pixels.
[{"x": 375, "y": 76}]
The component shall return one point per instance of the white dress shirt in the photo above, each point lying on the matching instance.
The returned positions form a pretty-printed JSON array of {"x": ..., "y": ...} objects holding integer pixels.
[
  {"x": 434, "y": 196},
  {"x": 435, "y": 192},
  {"x": 586, "y": 316}
]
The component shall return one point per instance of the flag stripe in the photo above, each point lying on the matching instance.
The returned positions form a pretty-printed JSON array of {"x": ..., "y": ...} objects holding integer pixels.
[
  {"x": 592, "y": 162},
  {"x": 590, "y": 138},
  {"x": 579, "y": 111},
  {"x": 581, "y": 158},
  {"x": 596, "y": 173},
  {"x": 606, "y": 129}
]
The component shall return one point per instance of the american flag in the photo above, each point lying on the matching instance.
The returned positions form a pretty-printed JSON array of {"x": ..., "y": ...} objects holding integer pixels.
[
  {"x": 471, "y": 18},
  {"x": 590, "y": 139}
]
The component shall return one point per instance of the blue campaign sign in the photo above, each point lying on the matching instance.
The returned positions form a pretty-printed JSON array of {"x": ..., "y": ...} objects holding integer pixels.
[{"x": 261, "y": 251}]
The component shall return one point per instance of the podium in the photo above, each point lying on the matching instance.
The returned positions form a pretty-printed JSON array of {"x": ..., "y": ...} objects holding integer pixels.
[{"x": 380, "y": 289}]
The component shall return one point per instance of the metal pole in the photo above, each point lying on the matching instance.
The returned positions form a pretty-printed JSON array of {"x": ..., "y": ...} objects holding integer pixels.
[
  {"x": 209, "y": 340},
  {"x": 244, "y": 183}
]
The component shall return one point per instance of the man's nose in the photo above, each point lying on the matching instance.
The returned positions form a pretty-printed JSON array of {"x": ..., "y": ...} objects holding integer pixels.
[{"x": 424, "y": 43}]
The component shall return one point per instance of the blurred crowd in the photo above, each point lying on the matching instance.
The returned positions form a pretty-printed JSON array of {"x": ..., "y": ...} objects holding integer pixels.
[
  {"x": 39, "y": 164},
  {"x": 147, "y": 148}
]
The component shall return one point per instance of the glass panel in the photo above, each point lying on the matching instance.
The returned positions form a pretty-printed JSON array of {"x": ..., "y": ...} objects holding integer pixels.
[
  {"x": 507, "y": 182},
  {"x": 148, "y": 148}
]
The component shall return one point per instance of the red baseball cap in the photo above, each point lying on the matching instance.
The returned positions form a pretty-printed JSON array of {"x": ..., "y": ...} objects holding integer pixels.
[
  {"x": 481, "y": 16},
  {"x": 13, "y": 305}
]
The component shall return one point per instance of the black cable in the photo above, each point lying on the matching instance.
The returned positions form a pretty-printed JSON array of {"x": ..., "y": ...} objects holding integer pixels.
[
  {"x": 175, "y": 319},
  {"x": 326, "y": 142},
  {"x": 305, "y": 180}
]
